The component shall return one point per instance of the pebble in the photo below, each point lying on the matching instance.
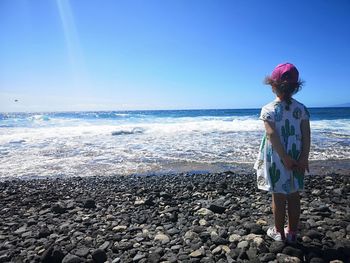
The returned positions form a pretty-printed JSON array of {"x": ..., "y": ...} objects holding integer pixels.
[
  {"x": 203, "y": 222},
  {"x": 291, "y": 251},
  {"x": 105, "y": 245},
  {"x": 287, "y": 259},
  {"x": 69, "y": 258},
  {"x": 203, "y": 212},
  {"x": 182, "y": 218},
  {"x": 99, "y": 256},
  {"x": 216, "y": 250},
  {"x": 217, "y": 208},
  {"x": 243, "y": 244},
  {"x": 234, "y": 238},
  {"x": 267, "y": 257},
  {"x": 21, "y": 230},
  {"x": 164, "y": 239},
  {"x": 138, "y": 257},
  {"x": 82, "y": 252},
  {"x": 89, "y": 203},
  {"x": 276, "y": 247},
  {"x": 119, "y": 228},
  {"x": 197, "y": 253}
]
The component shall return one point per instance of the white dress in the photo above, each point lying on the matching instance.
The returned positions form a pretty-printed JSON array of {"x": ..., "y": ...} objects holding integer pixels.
[{"x": 272, "y": 175}]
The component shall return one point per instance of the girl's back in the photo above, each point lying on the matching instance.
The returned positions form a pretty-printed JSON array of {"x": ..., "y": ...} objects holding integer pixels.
[{"x": 287, "y": 120}]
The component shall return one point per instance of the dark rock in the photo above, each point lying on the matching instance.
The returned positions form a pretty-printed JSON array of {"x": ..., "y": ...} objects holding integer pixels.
[
  {"x": 159, "y": 250},
  {"x": 323, "y": 209},
  {"x": 348, "y": 229},
  {"x": 31, "y": 222},
  {"x": 172, "y": 258},
  {"x": 149, "y": 201},
  {"x": 330, "y": 254},
  {"x": 44, "y": 232},
  {"x": 223, "y": 233},
  {"x": 286, "y": 258},
  {"x": 99, "y": 256},
  {"x": 217, "y": 208},
  {"x": 243, "y": 244},
  {"x": 234, "y": 253},
  {"x": 5, "y": 258},
  {"x": 52, "y": 255},
  {"x": 223, "y": 185},
  {"x": 21, "y": 230},
  {"x": 313, "y": 234},
  {"x": 138, "y": 257},
  {"x": 105, "y": 245},
  {"x": 122, "y": 245},
  {"x": 267, "y": 257},
  {"x": 294, "y": 252},
  {"x": 205, "y": 236},
  {"x": 58, "y": 208},
  {"x": 69, "y": 258},
  {"x": 254, "y": 228},
  {"x": 276, "y": 247},
  {"x": 89, "y": 203},
  {"x": 70, "y": 204},
  {"x": 82, "y": 252},
  {"x": 185, "y": 258},
  {"x": 198, "y": 229},
  {"x": 312, "y": 252},
  {"x": 219, "y": 240},
  {"x": 173, "y": 231},
  {"x": 317, "y": 260},
  {"x": 345, "y": 244},
  {"x": 241, "y": 232},
  {"x": 70, "y": 247},
  {"x": 242, "y": 256},
  {"x": 252, "y": 253},
  {"x": 165, "y": 195},
  {"x": 173, "y": 217},
  {"x": 38, "y": 221}
]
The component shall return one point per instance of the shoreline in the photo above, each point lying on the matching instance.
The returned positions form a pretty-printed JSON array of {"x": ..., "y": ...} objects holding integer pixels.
[
  {"x": 218, "y": 217},
  {"x": 317, "y": 167}
]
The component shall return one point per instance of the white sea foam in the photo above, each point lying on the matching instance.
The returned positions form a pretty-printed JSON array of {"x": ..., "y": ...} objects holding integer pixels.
[
  {"x": 39, "y": 118},
  {"x": 342, "y": 125},
  {"x": 135, "y": 130},
  {"x": 67, "y": 147}
]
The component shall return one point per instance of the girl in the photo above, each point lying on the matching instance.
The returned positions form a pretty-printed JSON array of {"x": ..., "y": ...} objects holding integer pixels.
[{"x": 284, "y": 151}]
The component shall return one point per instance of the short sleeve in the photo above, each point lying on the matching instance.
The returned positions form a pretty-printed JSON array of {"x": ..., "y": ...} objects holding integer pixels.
[
  {"x": 267, "y": 114},
  {"x": 306, "y": 114}
]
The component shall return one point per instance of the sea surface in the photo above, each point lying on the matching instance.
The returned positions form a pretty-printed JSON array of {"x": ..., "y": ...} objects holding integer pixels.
[{"x": 59, "y": 144}]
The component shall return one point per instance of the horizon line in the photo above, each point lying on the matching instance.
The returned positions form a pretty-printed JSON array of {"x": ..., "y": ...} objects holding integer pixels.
[{"x": 136, "y": 110}]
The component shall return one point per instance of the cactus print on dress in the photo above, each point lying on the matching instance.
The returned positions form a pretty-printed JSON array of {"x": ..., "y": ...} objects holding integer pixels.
[
  {"x": 278, "y": 112},
  {"x": 271, "y": 173},
  {"x": 297, "y": 113}
]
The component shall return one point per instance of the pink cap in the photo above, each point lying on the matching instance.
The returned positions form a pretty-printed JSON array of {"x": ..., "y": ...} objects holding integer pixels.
[{"x": 285, "y": 72}]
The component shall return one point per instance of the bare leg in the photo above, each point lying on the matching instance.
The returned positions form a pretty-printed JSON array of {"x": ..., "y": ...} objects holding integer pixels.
[
  {"x": 293, "y": 211},
  {"x": 279, "y": 211}
]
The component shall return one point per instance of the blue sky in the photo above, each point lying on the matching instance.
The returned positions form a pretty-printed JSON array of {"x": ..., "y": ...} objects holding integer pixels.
[{"x": 176, "y": 54}]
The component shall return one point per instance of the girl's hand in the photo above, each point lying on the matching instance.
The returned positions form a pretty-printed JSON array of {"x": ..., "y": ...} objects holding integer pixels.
[
  {"x": 303, "y": 165},
  {"x": 289, "y": 162}
]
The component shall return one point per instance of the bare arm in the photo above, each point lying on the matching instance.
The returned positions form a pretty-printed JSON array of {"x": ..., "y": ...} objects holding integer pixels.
[
  {"x": 273, "y": 136},
  {"x": 303, "y": 162}
]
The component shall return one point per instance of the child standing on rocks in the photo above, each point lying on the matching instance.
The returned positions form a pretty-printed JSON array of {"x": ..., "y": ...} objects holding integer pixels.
[{"x": 284, "y": 150}]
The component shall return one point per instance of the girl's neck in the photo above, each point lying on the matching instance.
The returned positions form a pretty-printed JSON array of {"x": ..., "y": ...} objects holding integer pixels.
[{"x": 281, "y": 98}]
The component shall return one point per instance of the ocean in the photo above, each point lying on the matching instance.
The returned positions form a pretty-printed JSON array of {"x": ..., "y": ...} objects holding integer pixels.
[{"x": 59, "y": 144}]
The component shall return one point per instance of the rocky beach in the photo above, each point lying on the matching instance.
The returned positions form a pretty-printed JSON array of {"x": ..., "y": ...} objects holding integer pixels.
[{"x": 219, "y": 217}]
